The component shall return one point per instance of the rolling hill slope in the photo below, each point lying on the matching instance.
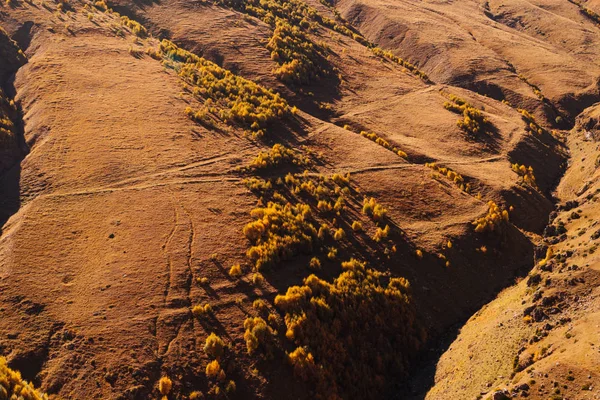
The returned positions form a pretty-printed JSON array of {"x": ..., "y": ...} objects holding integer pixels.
[{"x": 354, "y": 197}]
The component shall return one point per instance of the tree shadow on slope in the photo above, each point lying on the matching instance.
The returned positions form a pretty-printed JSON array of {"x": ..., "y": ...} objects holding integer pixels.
[
  {"x": 10, "y": 193},
  {"x": 13, "y": 148},
  {"x": 445, "y": 294}
]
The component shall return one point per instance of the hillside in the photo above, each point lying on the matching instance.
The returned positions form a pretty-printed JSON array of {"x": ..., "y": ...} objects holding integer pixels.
[{"x": 299, "y": 199}]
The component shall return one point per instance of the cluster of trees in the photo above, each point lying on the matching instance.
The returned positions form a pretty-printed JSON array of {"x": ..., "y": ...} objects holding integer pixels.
[
  {"x": 374, "y": 209},
  {"x": 472, "y": 120},
  {"x": 258, "y": 185},
  {"x": 493, "y": 219},
  {"x": 383, "y": 143},
  {"x": 451, "y": 175},
  {"x": 7, "y": 127},
  {"x": 297, "y": 12},
  {"x": 277, "y": 155},
  {"x": 227, "y": 96},
  {"x": 591, "y": 14},
  {"x": 532, "y": 125},
  {"x": 215, "y": 349},
  {"x": 279, "y": 232},
  {"x": 300, "y": 60},
  {"x": 306, "y": 218},
  {"x": 392, "y": 57},
  {"x": 526, "y": 174},
  {"x": 353, "y": 336},
  {"x": 12, "y": 59},
  {"x": 137, "y": 28}
]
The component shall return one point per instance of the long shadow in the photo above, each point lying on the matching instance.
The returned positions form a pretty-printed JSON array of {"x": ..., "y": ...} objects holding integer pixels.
[
  {"x": 439, "y": 292},
  {"x": 417, "y": 386},
  {"x": 10, "y": 190},
  {"x": 10, "y": 177}
]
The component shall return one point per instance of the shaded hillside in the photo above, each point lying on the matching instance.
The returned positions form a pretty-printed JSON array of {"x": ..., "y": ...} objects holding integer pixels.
[{"x": 539, "y": 338}]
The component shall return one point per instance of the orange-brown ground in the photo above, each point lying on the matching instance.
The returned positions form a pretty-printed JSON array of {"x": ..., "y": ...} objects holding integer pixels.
[{"x": 123, "y": 202}]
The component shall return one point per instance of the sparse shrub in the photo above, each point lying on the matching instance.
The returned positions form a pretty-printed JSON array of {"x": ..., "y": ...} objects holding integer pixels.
[
  {"x": 531, "y": 123},
  {"x": 315, "y": 264},
  {"x": 362, "y": 302},
  {"x": 536, "y": 90},
  {"x": 339, "y": 234},
  {"x": 419, "y": 253},
  {"x": 101, "y": 5},
  {"x": 341, "y": 180},
  {"x": 230, "y": 387},
  {"x": 258, "y": 335},
  {"x": 357, "y": 226},
  {"x": 214, "y": 346},
  {"x": 492, "y": 220},
  {"x": 332, "y": 253},
  {"x": 526, "y": 174},
  {"x": 214, "y": 371},
  {"x": 235, "y": 271},
  {"x": 260, "y": 305},
  {"x": 7, "y": 114},
  {"x": 373, "y": 209},
  {"x": 135, "y": 52},
  {"x": 12, "y": 385},
  {"x": 200, "y": 311},
  {"x": 549, "y": 255},
  {"x": 324, "y": 206},
  {"x": 196, "y": 395},
  {"x": 257, "y": 279},
  {"x": 156, "y": 54},
  {"x": 383, "y": 143},
  {"x": 323, "y": 231},
  {"x": 203, "y": 281},
  {"x": 381, "y": 233},
  {"x": 164, "y": 386}
]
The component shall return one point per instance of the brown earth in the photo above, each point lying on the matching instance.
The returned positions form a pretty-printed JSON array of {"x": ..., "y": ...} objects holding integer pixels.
[{"x": 122, "y": 202}]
